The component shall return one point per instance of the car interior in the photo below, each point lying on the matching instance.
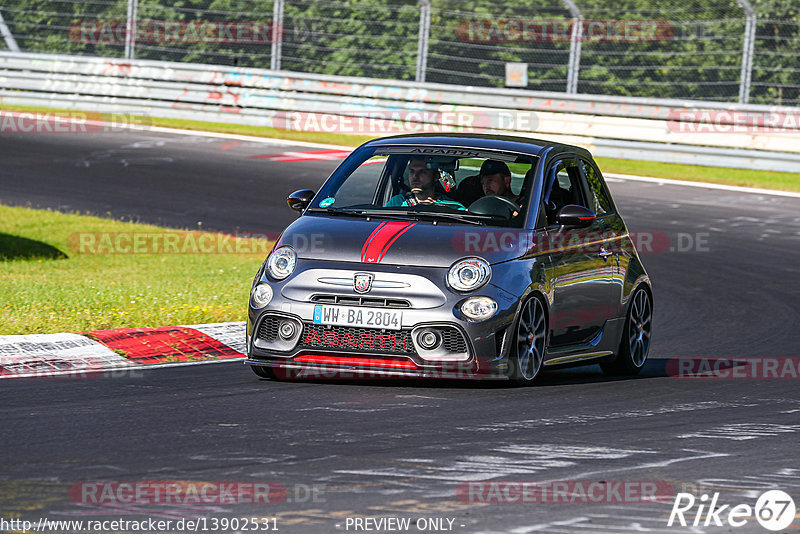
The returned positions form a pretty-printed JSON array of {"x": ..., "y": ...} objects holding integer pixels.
[
  {"x": 381, "y": 177},
  {"x": 466, "y": 172}
]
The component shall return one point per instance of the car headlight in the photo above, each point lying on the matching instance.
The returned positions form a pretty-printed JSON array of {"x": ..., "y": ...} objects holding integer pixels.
[
  {"x": 262, "y": 295},
  {"x": 281, "y": 262},
  {"x": 469, "y": 274},
  {"x": 479, "y": 308}
]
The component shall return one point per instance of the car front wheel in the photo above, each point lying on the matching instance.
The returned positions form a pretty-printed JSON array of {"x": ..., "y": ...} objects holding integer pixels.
[
  {"x": 635, "y": 343},
  {"x": 530, "y": 341}
]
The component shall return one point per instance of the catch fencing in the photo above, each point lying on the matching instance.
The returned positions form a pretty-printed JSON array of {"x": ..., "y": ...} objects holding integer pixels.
[{"x": 735, "y": 51}]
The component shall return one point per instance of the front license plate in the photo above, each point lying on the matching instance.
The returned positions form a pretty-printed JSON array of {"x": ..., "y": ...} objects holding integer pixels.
[{"x": 353, "y": 316}]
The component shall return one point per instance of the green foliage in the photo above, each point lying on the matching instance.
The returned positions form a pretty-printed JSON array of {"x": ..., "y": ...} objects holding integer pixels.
[
  {"x": 375, "y": 38},
  {"x": 776, "y": 68},
  {"x": 696, "y": 52},
  {"x": 54, "y": 27}
]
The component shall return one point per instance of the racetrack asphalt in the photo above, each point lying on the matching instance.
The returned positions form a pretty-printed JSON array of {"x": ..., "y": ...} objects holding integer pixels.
[{"x": 403, "y": 449}]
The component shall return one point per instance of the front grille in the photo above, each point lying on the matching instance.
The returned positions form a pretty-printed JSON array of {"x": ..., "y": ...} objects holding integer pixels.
[
  {"x": 452, "y": 340},
  {"x": 355, "y": 339},
  {"x": 357, "y": 300},
  {"x": 268, "y": 331}
]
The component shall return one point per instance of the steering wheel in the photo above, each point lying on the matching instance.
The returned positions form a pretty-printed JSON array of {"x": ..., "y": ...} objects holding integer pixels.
[{"x": 495, "y": 205}]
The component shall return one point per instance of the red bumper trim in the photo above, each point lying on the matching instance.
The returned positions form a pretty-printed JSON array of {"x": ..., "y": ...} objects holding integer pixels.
[{"x": 355, "y": 361}]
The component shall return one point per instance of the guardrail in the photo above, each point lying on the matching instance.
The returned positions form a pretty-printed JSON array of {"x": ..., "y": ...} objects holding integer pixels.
[{"x": 675, "y": 131}]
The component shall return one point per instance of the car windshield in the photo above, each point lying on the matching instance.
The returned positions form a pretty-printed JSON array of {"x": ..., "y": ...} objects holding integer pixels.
[{"x": 453, "y": 185}]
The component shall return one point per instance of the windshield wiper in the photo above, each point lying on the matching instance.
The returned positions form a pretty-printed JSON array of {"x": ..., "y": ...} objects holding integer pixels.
[
  {"x": 462, "y": 218},
  {"x": 331, "y": 211},
  {"x": 450, "y": 216},
  {"x": 363, "y": 213}
]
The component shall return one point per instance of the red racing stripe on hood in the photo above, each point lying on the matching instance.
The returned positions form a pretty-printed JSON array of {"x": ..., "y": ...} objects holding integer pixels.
[
  {"x": 369, "y": 240},
  {"x": 381, "y": 239},
  {"x": 394, "y": 238}
]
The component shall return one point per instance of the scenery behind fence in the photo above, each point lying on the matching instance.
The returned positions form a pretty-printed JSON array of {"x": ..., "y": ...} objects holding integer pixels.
[{"x": 715, "y": 50}]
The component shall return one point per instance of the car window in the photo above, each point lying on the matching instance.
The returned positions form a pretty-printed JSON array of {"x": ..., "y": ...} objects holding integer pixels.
[
  {"x": 599, "y": 201},
  {"x": 564, "y": 188},
  {"x": 463, "y": 170},
  {"x": 360, "y": 187},
  {"x": 445, "y": 180},
  {"x": 563, "y": 179}
]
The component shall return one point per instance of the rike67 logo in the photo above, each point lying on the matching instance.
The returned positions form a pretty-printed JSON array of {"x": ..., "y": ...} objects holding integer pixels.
[{"x": 774, "y": 510}]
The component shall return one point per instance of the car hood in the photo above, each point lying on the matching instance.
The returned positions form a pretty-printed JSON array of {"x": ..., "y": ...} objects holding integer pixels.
[{"x": 398, "y": 242}]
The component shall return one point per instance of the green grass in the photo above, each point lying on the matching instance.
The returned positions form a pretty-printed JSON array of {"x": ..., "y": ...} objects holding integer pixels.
[
  {"x": 47, "y": 284},
  {"x": 720, "y": 175}
]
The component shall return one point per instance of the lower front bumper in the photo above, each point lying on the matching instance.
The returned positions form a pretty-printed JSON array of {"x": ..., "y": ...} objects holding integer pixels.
[
  {"x": 466, "y": 350},
  {"x": 329, "y": 366}
]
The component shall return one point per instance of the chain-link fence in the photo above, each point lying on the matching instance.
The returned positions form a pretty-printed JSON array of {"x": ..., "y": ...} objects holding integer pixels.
[{"x": 720, "y": 50}]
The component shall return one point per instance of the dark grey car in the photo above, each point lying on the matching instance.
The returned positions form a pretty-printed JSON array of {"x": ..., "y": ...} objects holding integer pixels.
[{"x": 401, "y": 266}]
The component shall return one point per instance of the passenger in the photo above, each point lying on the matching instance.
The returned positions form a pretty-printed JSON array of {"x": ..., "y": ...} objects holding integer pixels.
[
  {"x": 496, "y": 180},
  {"x": 422, "y": 181}
]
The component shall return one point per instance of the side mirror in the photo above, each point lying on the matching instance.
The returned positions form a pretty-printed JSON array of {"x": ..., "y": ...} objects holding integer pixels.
[
  {"x": 299, "y": 200},
  {"x": 575, "y": 216}
]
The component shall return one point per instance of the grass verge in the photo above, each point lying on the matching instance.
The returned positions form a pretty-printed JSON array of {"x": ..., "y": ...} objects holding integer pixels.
[
  {"x": 73, "y": 273},
  {"x": 675, "y": 171}
]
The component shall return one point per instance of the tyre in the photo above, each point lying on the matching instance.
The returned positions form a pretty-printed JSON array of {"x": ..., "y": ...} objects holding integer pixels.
[
  {"x": 263, "y": 371},
  {"x": 635, "y": 343},
  {"x": 530, "y": 342}
]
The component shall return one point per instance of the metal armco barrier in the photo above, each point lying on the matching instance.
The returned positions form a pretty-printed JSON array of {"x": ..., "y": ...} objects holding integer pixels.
[{"x": 674, "y": 131}]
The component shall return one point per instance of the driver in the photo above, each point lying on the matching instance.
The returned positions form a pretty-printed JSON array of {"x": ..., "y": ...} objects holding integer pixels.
[
  {"x": 422, "y": 181},
  {"x": 496, "y": 180}
]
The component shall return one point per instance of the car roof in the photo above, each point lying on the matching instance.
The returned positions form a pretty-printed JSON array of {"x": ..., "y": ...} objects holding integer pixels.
[{"x": 487, "y": 141}]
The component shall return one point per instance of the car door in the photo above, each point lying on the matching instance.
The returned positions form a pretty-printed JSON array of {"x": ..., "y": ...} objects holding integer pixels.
[
  {"x": 613, "y": 230},
  {"x": 582, "y": 267}
]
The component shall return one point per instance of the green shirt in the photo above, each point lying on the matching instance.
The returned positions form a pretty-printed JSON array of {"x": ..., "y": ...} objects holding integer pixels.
[{"x": 443, "y": 200}]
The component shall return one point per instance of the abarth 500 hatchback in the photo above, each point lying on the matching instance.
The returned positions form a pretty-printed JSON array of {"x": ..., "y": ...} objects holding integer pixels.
[{"x": 452, "y": 256}]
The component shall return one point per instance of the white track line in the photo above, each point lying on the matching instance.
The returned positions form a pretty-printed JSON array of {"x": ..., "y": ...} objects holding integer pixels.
[
  {"x": 237, "y": 137},
  {"x": 706, "y": 185}
]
